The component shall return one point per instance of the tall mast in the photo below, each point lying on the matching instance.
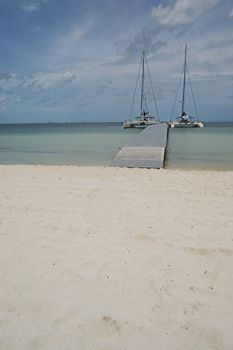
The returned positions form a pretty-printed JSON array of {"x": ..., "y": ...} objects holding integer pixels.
[
  {"x": 142, "y": 87},
  {"x": 184, "y": 81}
]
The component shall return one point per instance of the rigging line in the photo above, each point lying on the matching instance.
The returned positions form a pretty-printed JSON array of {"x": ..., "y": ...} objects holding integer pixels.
[
  {"x": 135, "y": 89},
  {"x": 156, "y": 107},
  {"x": 177, "y": 93},
  {"x": 143, "y": 84},
  {"x": 145, "y": 101},
  {"x": 184, "y": 82},
  {"x": 194, "y": 102}
]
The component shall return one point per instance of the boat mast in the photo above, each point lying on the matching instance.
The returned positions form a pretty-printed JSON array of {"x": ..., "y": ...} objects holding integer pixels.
[
  {"x": 142, "y": 87},
  {"x": 184, "y": 82}
]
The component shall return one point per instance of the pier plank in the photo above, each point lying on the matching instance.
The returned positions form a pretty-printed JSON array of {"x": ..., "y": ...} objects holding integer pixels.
[{"x": 146, "y": 150}]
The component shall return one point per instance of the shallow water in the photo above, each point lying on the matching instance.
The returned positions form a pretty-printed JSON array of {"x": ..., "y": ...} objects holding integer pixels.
[
  {"x": 98, "y": 143},
  {"x": 202, "y": 148},
  {"x": 62, "y": 144}
]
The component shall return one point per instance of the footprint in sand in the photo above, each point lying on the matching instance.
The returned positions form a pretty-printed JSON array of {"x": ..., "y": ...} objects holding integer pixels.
[{"x": 111, "y": 326}]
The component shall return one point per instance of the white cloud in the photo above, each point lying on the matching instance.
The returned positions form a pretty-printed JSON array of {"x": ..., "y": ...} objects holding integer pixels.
[
  {"x": 68, "y": 76},
  {"x": 67, "y": 45},
  {"x": 42, "y": 80},
  {"x": 31, "y": 6},
  {"x": 182, "y": 13},
  {"x": 172, "y": 24},
  {"x": 52, "y": 79},
  {"x": 48, "y": 80},
  {"x": 3, "y": 100},
  {"x": 18, "y": 99},
  {"x": 10, "y": 82},
  {"x": 2, "y": 109},
  {"x": 231, "y": 13},
  {"x": 32, "y": 89}
]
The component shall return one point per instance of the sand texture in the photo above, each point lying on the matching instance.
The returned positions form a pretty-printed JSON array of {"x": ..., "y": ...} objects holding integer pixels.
[{"x": 115, "y": 259}]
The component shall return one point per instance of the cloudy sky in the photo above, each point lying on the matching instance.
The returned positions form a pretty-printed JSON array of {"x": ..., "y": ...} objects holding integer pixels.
[{"x": 73, "y": 60}]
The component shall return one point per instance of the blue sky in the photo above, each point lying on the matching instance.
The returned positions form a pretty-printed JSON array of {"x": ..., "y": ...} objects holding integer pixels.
[{"x": 78, "y": 60}]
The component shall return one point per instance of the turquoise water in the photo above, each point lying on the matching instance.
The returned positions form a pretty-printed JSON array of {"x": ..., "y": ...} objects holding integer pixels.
[
  {"x": 97, "y": 144},
  {"x": 62, "y": 144},
  {"x": 205, "y": 148}
]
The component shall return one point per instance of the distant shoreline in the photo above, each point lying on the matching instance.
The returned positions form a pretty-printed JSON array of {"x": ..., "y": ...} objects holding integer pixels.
[{"x": 208, "y": 123}]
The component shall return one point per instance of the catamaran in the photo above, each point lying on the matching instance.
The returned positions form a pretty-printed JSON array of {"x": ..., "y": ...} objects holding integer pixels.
[
  {"x": 184, "y": 120},
  {"x": 144, "y": 119}
]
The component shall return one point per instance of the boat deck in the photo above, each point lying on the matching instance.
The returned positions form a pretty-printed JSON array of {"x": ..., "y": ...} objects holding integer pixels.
[{"x": 146, "y": 150}]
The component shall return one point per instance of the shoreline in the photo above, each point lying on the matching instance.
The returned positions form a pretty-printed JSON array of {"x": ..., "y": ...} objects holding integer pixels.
[
  {"x": 112, "y": 258},
  {"x": 76, "y": 166}
]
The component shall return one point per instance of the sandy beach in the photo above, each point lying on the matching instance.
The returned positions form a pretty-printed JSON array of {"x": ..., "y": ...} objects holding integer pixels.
[{"x": 115, "y": 259}]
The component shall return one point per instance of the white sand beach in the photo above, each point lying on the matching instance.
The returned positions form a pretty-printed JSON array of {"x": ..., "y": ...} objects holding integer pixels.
[{"x": 115, "y": 259}]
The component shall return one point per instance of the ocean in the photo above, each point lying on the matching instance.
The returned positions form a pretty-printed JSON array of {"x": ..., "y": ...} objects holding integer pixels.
[{"x": 89, "y": 144}]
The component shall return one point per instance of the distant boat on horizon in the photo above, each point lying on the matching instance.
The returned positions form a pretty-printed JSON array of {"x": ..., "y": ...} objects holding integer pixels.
[
  {"x": 144, "y": 119},
  {"x": 184, "y": 120}
]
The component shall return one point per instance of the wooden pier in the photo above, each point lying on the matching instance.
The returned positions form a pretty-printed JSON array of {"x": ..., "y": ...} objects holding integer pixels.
[{"x": 146, "y": 150}]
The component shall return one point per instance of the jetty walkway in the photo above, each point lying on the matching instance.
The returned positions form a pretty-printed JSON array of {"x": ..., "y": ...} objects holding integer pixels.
[{"x": 145, "y": 150}]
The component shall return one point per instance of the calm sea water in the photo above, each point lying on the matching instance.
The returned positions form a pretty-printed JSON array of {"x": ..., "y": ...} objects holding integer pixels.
[
  {"x": 205, "y": 148},
  {"x": 97, "y": 144},
  {"x": 62, "y": 144}
]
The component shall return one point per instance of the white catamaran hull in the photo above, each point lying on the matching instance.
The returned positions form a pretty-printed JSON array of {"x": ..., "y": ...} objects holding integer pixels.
[
  {"x": 185, "y": 125},
  {"x": 137, "y": 124}
]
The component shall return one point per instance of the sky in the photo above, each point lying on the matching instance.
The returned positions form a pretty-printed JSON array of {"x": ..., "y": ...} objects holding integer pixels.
[{"x": 77, "y": 61}]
